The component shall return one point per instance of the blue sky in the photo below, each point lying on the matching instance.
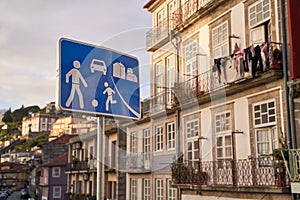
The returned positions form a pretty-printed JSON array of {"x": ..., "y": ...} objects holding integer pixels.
[{"x": 30, "y": 30}]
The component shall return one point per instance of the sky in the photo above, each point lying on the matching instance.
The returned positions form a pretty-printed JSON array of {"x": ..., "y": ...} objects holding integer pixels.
[{"x": 29, "y": 34}]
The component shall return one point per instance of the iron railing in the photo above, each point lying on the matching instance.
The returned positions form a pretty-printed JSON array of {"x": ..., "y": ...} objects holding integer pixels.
[
  {"x": 136, "y": 162},
  {"x": 78, "y": 196},
  {"x": 158, "y": 33},
  {"x": 185, "y": 11},
  {"x": 77, "y": 165},
  {"x": 258, "y": 172},
  {"x": 163, "y": 100},
  {"x": 292, "y": 156}
]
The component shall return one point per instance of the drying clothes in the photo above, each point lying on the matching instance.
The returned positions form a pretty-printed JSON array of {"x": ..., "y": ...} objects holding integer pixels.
[
  {"x": 265, "y": 50},
  {"x": 236, "y": 48},
  {"x": 223, "y": 71},
  {"x": 257, "y": 61},
  {"x": 230, "y": 71},
  {"x": 247, "y": 59}
]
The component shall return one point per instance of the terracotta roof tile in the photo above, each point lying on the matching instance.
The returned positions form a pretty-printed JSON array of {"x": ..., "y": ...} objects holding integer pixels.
[{"x": 59, "y": 161}]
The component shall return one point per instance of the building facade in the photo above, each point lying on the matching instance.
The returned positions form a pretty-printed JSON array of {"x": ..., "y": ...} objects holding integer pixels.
[
  {"x": 217, "y": 114},
  {"x": 39, "y": 122},
  {"x": 71, "y": 125},
  {"x": 53, "y": 179},
  {"x": 82, "y": 167},
  {"x": 14, "y": 175}
]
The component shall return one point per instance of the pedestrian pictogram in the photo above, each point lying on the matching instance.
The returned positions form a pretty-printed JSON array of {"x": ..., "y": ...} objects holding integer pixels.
[
  {"x": 103, "y": 81},
  {"x": 76, "y": 78}
]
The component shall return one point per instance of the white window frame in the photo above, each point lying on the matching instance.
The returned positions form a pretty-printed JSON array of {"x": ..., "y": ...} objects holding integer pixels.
[
  {"x": 257, "y": 35},
  {"x": 171, "y": 191},
  {"x": 146, "y": 134},
  {"x": 259, "y": 12},
  {"x": 159, "y": 77},
  {"x": 171, "y": 136},
  {"x": 258, "y": 116},
  {"x": 133, "y": 189},
  {"x": 223, "y": 124},
  {"x": 170, "y": 66},
  {"x": 147, "y": 188},
  {"x": 159, "y": 138},
  {"x": 220, "y": 40},
  {"x": 192, "y": 143},
  {"x": 133, "y": 142},
  {"x": 171, "y": 9},
  {"x": 56, "y": 192},
  {"x": 160, "y": 18},
  {"x": 159, "y": 189},
  {"x": 56, "y": 174},
  {"x": 190, "y": 53},
  {"x": 271, "y": 141},
  {"x": 224, "y": 150}
]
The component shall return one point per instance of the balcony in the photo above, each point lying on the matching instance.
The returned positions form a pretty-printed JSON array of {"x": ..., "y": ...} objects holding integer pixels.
[
  {"x": 255, "y": 172},
  {"x": 110, "y": 163},
  {"x": 137, "y": 163},
  {"x": 78, "y": 196},
  {"x": 77, "y": 166},
  {"x": 187, "y": 10},
  {"x": 163, "y": 101},
  {"x": 158, "y": 35}
]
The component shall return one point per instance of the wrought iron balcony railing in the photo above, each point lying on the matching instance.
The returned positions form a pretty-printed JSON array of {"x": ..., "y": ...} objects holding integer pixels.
[
  {"x": 158, "y": 33},
  {"x": 188, "y": 9},
  {"x": 110, "y": 162},
  {"x": 136, "y": 163},
  {"x": 78, "y": 196},
  {"x": 77, "y": 166},
  {"x": 163, "y": 100},
  {"x": 258, "y": 172}
]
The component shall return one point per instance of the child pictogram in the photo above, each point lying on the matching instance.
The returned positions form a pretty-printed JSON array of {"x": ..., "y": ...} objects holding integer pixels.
[{"x": 109, "y": 99}]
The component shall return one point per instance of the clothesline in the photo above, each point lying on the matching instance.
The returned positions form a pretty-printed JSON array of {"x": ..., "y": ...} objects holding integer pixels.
[{"x": 243, "y": 63}]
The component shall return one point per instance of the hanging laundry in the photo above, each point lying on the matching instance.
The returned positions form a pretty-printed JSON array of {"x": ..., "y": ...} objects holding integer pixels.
[{"x": 257, "y": 61}]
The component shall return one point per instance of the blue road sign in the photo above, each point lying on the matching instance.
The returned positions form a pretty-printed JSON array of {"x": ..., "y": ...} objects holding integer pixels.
[{"x": 97, "y": 80}]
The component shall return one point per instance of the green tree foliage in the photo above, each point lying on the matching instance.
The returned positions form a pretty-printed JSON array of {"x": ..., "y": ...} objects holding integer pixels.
[
  {"x": 7, "y": 117},
  {"x": 18, "y": 114},
  {"x": 33, "y": 143}
]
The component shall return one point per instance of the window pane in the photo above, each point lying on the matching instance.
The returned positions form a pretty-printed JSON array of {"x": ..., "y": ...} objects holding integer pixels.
[
  {"x": 227, "y": 140},
  {"x": 228, "y": 152},
  {"x": 219, "y": 142},
  {"x": 219, "y": 152}
]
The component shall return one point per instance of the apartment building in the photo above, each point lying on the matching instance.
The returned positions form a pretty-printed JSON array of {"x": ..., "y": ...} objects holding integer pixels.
[
  {"x": 81, "y": 168},
  {"x": 71, "y": 125},
  {"x": 38, "y": 123},
  {"x": 82, "y": 165},
  {"x": 217, "y": 104},
  {"x": 53, "y": 180},
  {"x": 13, "y": 175}
]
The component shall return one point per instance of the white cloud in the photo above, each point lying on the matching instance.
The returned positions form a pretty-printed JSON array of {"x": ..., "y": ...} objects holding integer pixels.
[{"x": 29, "y": 31}]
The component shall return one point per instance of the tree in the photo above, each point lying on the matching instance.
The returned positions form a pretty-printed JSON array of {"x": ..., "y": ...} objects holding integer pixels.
[{"x": 7, "y": 118}]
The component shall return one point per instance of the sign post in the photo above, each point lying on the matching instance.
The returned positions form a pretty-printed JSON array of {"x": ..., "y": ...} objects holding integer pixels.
[{"x": 97, "y": 80}]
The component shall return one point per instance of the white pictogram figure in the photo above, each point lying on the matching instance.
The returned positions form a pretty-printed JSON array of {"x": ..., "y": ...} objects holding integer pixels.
[
  {"x": 109, "y": 99},
  {"x": 76, "y": 78},
  {"x": 131, "y": 76}
]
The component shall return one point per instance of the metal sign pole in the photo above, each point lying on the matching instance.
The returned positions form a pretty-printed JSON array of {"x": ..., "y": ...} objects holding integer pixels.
[{"x": 100, "y": 133}]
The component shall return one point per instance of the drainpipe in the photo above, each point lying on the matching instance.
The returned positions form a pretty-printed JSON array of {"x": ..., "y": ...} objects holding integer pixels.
[
  {"x": 288, "y": 93},
  {"x": 285, "y": 71}
]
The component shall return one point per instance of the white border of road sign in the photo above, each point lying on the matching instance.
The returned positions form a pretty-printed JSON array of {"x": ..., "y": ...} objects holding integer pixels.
[{"x": 59, "y": 85}]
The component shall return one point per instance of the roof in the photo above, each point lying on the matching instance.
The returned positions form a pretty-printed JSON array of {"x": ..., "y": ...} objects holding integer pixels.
[
  {"x": 64, "y": 139},
  {"x": 59, "y": 161},
  {"x": 149, "y": 3},
  {"x": 12, "y": 167}
]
